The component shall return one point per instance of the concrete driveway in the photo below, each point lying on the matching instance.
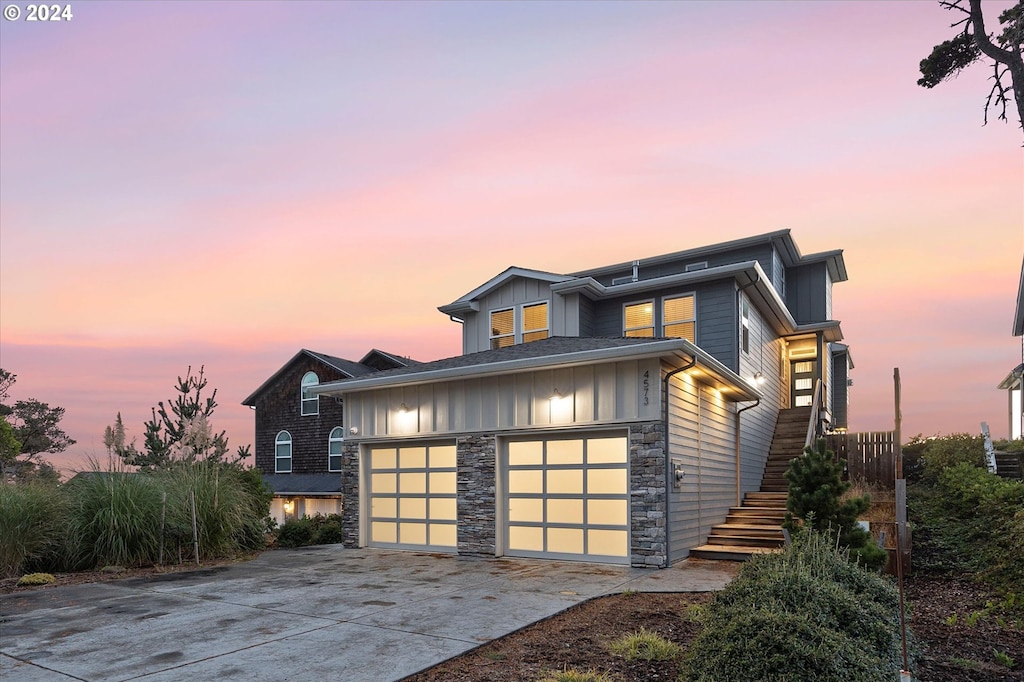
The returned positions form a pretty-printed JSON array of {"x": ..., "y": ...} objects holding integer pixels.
[{"x": 314, "y": 613}]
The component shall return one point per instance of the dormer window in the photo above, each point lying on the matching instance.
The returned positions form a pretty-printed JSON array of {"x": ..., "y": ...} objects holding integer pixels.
[
  {"x": 310, "y": 402},
  {"x": 520, "y": 324},
  {"x": 638, "y": 319}
]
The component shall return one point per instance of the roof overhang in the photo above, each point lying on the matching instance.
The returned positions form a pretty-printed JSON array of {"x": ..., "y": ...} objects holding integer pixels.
[
  {"x": 251, "y": 400},
  {"x": 469, "y": 303},
  {"x": 675, "y": 352},
  {"x": 1013, "y": 379}
]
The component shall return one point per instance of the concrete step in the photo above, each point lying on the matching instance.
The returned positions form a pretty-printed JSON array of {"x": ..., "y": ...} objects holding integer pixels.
[{"x": 729, "y": 552}]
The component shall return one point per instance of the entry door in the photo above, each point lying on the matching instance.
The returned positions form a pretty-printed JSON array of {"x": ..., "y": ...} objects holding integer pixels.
[
  {"x": 802, "y": 376},
  {"x": 412, "y": 495},
  {"x": 568, "y": 498}
]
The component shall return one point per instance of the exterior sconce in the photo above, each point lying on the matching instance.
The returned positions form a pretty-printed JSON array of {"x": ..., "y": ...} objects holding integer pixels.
[
  {"x": 403, "y": 409},
  {"x": 354, "y": 430},
  {"x": 289, "y": 507},
  {"x": 556, "y": 395},
  {"x": 759, "y": 379}
]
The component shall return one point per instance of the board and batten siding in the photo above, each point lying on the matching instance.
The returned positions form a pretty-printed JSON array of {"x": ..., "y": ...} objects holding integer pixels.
[
  {"x": 701, "y": 436},
  {"x": 565, "y": 315},
  {"x": 757, "y": 425},
  {"x": 807, "y": 291},
  {"x": 615, "y": 392},
  {"x": 476, "y": 331}
]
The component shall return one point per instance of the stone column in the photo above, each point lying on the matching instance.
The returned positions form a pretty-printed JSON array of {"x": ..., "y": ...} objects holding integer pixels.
[
  {"x": 350, "y": 494},
  {"x": 648, "y": 499},
  {"x": 476, "y": 506}
]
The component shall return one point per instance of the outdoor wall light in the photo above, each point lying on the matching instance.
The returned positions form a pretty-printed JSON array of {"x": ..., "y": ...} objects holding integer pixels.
[
  {"x": 759, "y": 378},
  {"x": 556, "y": 395},
  {"x": 354, "y": 430},
  {"x": 403, "y": 409}
]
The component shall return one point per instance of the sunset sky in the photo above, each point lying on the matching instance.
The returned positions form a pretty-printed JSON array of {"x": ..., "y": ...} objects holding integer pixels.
[{"x": 224, "y": 183}]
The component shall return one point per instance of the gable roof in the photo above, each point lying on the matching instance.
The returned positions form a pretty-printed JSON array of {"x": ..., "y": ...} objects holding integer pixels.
[
  {"x": 556, "y": 351},
  {"x": 346, "y": 367},
  {"x": 467, "y": 303}
]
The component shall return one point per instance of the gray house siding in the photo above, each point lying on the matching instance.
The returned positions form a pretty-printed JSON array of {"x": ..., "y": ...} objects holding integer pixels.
[
  {"x": 840, "y": 390},
  {"x": 701, "y": 440},
  {"x": 808, "y": 293},
  {"x": 476, "y": 332},
  {"x": 757, "y": 425}
]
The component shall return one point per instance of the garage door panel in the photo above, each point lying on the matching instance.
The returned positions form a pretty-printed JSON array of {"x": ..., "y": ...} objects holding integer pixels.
[
  {"x": 412, "y": 496},
  {"x": 568, "y": 498}
]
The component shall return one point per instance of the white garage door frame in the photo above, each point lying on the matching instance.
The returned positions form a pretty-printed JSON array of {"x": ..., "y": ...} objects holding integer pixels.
[
  {"x": 574, "y": 495},
  {"x": 410, "y": 495}
]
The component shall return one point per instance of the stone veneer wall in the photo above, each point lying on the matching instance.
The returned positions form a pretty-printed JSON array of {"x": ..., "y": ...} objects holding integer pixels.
[
  {"x": 477, "y": 505},
  {"x": 648, "y": 495},
  {"x": 350, "y": 494}
]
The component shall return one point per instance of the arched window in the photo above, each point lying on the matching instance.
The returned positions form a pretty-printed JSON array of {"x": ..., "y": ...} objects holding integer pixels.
[
  {"x": 283, "y": 453},
  {"x": 310, "y": 403},
  {"x": 334, "y": 449}
]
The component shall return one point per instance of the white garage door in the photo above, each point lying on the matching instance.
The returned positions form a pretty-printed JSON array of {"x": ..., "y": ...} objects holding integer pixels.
[
  {"x": 412, "y": 491},
  {"x": 568, "y": 498}
]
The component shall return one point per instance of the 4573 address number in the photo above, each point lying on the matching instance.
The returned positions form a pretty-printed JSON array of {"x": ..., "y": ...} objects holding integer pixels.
[{"x": 38, "y": 13}]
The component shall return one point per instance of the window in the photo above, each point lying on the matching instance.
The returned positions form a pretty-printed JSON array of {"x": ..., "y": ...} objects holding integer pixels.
[
  {"x": 310, "y": 403},
  {"x": 334, "y": 444},
  {"x": 638, "y": 319},
  {"x": 535, "y": 322},
  {"x": 283, "y": 453},
  {"x": 503, "y": 328},
  {"x": 745, "y": 326},
  {"x": 508, "y": 328},
  {"x": 679, "y": 316}
]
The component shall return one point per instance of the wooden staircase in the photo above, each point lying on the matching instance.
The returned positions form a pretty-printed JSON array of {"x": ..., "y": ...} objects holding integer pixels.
[
  {"x": 1010, "y": 465},
  {"x": 755, "y": 527}
]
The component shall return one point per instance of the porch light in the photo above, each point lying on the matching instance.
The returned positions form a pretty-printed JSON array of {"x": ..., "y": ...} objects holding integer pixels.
[
  {"x": 556, "y": 395},
  {"x": 289, "y": 507},
  {"x": 403, "y": 409},
  {"x": 759, "y": 379}
]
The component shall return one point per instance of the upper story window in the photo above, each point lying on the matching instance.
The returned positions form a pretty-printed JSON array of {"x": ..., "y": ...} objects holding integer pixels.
[
  {"x": 679, "y": 317},
  {"x": 745, "y": 326},
  {"x": 520, "y": 324},
  {"x": 283, "y": 453},
  {"x": 638, "y": 319},
  {"x": 334, "y": 444},
  {"x": 310, "y": 402}
]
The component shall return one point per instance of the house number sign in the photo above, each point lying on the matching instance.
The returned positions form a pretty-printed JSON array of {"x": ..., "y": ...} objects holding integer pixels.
[{"x": 645, "y": 384}]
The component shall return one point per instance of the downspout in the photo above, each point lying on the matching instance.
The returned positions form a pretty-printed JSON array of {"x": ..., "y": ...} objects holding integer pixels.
[
  {"x": 669, "y": 481},
  {"x": 742, "y": 409}
]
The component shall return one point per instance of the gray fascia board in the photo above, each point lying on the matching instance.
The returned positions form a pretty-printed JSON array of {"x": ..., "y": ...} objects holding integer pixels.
[
  {"x": 682, "y": 349},
  {"x": 687, "y": 253},
  {"x": 1013, "y": 378},
  {"x": 833, "y": 261},
  {"x": 460, "y": 304}
]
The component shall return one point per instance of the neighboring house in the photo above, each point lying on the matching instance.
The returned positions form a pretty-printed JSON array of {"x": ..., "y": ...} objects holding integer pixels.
[
  {"x": 612, "y": 415},
  {"x": 1014, "y": 381},
  {"x": 299, "y": 434}
]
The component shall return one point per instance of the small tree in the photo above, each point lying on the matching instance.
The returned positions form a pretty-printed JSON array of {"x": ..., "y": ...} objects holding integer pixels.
[
  {"x": 816, "y": 489},
  {"x": 178, "y": 431},
  {"x": 35, "y": 427}
]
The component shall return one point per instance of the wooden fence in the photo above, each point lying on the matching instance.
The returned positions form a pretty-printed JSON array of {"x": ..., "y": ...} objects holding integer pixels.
[{"x": 870, "y": 456}]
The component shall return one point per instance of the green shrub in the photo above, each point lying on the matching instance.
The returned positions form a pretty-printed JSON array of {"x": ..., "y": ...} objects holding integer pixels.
[
  {"x": 924, "y": 459},
  {"x": 805, "y": 613},
  {"x": 31, "y": 518},
  {"x": 36, "y": 579},
  {"x": 573, "y": 675},
  {"x": 327, "y": 530},
  {"x": 815, "y": 499},
  {"x": 296, "y": 533}
]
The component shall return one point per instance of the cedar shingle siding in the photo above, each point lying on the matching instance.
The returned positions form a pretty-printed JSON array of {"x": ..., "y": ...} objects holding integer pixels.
[{"x": 277, "y": 409}]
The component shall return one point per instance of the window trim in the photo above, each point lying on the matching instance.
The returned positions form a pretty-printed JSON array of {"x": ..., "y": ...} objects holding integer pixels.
[
  {"x": 744, "y": 325},
  {"x": 653, "y": 326},
  {"x": 331, "y": 440},
  {"x": 664, "y": 324},
  {"x": 278, "y": 442},
  {"x": 518, "y": 320},
  {"x": 304, "y": 400}
]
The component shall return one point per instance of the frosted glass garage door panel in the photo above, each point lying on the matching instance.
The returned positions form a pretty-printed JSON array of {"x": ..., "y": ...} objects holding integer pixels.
[
  {"x": 526, "y": 481},
  {"x": 412, "y": 508},
  {"x": 412, "y": 458},
  {"x": 565, "y": 511},
  {"x": 444, "y": 535},
  {"x": 442, "y": 509},
  {"x": 442, "y": 457},
  {"x": 565, "y": 481},
  {"x": 565, "y": 540},
  {"x": 412, "y": 533},
  {"x": 526, "y": 538},
  {"x": 565, "y": 452},
  {"x": 607, "y": 512},
  {"x": 521, "y": 454},
  {"x": 607, "y": 542},
  {"x": 606, "y": 481},
  {"x": 414, "y": 483},
  {"x": 607, "y": 451},
  {"x": 443, "y": 482},
  {"x": 528, "y": 509},
  {"x": 386, "y": 507},
  {"x": 383, "y": 483},
  {"x": 381, "y": 531},
  {"x": 384, "y": 458}
]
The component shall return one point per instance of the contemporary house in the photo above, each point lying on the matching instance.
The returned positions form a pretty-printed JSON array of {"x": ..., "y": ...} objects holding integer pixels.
[
  {"x": 622, "y": 414},
  {"x": 299, "y": 434}
]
